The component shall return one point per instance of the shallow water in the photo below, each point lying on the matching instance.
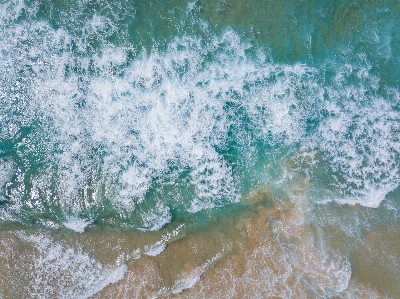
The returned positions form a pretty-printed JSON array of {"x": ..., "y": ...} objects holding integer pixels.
[{"x": 224, "y": 149}]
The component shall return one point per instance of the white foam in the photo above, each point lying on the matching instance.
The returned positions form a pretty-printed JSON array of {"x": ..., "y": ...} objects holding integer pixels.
[
  {"x": 111, "y": 56},
  {"x": 152, "y": 115},
  {"x": 185, "y": 283},
  {"x": 156, "y": 218},
  {"x": 172, "y": 126},
  {"x": 6, "y": 172},
  {"x": 192, "y": 278},
  {"x": 160, "y": 245},
  {"x": 124, "y": 258},
  {"x": 11, "y": 10},
  {"x": 66, "y": 271},
  {"x": 155, "y": 250},
  {"x": 368, "y": 197},
  {"x": 361, "y": 142},
  {"x": 77, "y": 224},
  {"x": 121, "y": 125}
]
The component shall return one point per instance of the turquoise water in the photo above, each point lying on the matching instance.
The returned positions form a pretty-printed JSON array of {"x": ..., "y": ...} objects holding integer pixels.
[{"x": 137, "y": 114}]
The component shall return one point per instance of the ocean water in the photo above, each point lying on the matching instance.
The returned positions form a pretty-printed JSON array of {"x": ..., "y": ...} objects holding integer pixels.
[{"x": 199, "y": 149}]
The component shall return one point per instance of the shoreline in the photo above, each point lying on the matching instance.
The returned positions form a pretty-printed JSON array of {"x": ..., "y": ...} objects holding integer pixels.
[{"x": 263, "y": 249}]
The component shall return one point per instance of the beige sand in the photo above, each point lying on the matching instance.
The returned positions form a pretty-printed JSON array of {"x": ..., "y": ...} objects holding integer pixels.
[{"x": 267, "y": 250}]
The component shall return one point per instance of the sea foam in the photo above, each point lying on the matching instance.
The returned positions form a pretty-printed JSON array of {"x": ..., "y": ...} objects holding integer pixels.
[{"x": 121, "y": 129}]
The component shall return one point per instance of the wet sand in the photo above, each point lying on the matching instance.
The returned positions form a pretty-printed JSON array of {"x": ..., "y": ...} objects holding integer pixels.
[{"x": 268, "y": 250}]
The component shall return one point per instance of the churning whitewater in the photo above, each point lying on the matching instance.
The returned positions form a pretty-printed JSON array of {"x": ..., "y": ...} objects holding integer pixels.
[{"x": 154, "y": 120}]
